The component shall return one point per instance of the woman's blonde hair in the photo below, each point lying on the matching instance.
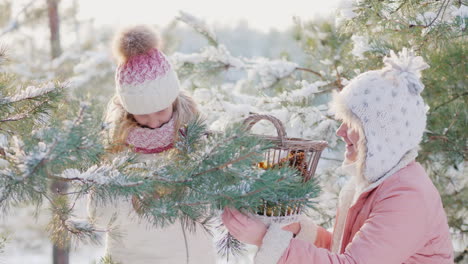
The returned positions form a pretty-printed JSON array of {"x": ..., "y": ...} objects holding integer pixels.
[{"x": 119, "y": 122}]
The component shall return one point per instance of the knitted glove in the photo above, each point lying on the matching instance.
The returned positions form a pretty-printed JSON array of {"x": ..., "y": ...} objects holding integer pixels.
[
  {"x": 275, "y": 242},
  {"x": 308, "y": 230}
]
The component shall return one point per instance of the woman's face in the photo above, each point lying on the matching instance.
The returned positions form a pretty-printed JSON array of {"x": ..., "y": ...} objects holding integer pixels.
[
  {"x": 350, "y": 137},
  {"x": 156, "y": 119}
]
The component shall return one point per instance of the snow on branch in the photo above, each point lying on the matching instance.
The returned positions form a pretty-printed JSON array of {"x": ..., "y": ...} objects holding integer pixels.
[
  {"x": 345, "y": 11},
  {"x": 105, "y": 174},
  {"x": 269, "y": 72},
  {"x": 200, "y": 26},
  {"x": 360, "y": 45},
  {"x": 100, "y": 175},
  {"x": 306, "y": 90},
  {"x": 31, "y": 92},
  {"x": 210, "y": 54},
  {"x": 14, "y": 23}
]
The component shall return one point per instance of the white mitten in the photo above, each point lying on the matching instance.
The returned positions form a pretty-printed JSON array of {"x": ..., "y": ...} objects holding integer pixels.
[
  {"x": 308, "y": 231},
  {"x": 276, "y": 240}
]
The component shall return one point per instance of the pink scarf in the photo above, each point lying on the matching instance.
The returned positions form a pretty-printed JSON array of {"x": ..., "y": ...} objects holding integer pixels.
[{"x": 148, "y": 141}]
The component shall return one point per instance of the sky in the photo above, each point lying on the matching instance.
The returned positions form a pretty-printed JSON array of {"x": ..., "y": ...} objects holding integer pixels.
[{"x": 259, "y": 14}]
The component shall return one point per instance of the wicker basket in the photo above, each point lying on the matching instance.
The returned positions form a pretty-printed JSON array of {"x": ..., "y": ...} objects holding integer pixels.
[{"x": 300, "y": 153}]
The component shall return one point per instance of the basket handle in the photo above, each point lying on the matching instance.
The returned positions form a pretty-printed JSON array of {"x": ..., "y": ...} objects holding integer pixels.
[{"x": 253, "y": 119}]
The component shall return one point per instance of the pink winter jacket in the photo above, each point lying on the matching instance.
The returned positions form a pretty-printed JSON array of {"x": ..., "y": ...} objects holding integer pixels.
[{"x": 400, "y": 221}]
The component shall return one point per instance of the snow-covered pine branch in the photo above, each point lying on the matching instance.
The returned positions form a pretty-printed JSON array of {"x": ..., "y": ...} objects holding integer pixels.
[
  {"x": 30, "y": 92},
  {"x": 14, "y": 23},
  {"x": 210, "y": 57},
  {"x": 267, "y": 73},
  {"x": 199, "y": 25},
  {"x": 32, "y": 103}
]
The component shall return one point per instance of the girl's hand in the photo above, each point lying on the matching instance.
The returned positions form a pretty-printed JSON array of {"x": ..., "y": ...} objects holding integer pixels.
[{"x": 244, "y": 228}]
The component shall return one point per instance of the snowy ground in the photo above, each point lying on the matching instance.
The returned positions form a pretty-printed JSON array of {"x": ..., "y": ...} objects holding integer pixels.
[{"x": 28, "y": 242}]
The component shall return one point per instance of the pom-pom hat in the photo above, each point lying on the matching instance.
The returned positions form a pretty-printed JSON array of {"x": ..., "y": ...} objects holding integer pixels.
[
  {"x": 145, "y": 80},
  {"x": 386, "y": 106}
]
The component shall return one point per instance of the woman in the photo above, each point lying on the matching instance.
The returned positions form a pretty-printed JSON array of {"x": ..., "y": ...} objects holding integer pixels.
[{"x": 389, "y": 211}]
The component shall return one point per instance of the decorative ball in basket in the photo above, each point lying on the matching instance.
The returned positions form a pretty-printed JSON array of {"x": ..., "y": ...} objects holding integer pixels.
[{"x": 298, "y": 153}]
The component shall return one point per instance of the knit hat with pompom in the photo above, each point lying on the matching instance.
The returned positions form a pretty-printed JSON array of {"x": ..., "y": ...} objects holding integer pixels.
[
  {"x": 145, "y": 80},
  {"x": 386, "y": 105}
]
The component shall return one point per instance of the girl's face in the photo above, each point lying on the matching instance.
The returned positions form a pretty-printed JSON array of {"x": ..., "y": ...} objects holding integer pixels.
[
  {"x": 350, "y": 137},
  {"x": 156, "y": 119}
]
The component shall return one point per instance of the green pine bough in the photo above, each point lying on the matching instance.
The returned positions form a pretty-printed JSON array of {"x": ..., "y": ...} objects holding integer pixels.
[{"x": 204, "y": 173}]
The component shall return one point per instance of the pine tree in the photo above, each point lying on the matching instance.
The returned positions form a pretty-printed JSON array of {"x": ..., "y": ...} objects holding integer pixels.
[
  {"x": 335, "y": 52},
  {"x": 437, "y": 31},
  {"x": 204, "y": 173},
  {"x": 297, "y": 91}
]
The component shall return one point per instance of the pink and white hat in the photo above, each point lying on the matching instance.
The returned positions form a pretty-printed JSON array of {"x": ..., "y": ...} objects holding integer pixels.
[{"x": 145, "y": 80}]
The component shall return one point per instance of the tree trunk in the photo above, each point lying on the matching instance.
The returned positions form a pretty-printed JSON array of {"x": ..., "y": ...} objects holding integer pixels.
[
  {"x": 54, "y": 26},
  {"x": 60, "y": 255}
]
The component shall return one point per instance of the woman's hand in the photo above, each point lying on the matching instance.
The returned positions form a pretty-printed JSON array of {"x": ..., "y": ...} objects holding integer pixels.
[{"x": 244, "y": 228}]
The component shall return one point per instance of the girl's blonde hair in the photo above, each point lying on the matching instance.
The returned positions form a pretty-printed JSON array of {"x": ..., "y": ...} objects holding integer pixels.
[{"x": 119, "y": 122}]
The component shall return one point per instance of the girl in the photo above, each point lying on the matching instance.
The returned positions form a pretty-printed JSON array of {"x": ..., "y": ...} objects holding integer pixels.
[
  {"x": 145, "y": 116},
  {"x": 389, "y": 212}
]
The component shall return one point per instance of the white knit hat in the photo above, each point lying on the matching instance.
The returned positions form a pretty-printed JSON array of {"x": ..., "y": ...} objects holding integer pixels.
[
  {"x": 387, "y": 107},
  {"x": 145, "y": 80}
]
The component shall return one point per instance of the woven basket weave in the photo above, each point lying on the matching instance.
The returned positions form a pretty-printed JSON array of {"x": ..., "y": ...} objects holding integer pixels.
[{"x": 300, "y": 153}]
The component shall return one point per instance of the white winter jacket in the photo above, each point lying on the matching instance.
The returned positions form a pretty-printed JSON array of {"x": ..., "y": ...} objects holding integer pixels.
[{"x": 141, "y": 243}]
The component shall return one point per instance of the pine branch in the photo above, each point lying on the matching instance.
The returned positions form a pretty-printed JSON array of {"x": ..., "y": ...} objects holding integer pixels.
[
  {"x": 399, "y": 7},
  {"x": 3, "y": 241},
  {"x": 228, "y": 246},
  {"x": 107, "y": 260},
  {"x": 449, "y": 101},
  {"x": 199, "y": 26},
  {"x": 26, "y": 114},
  {"x": 444, "y": 5},
  {"x": 309, "y": 70},
  {"x": 31, "y": 103},
  {"x": 226, "y": 164},
  {"x": 14, "y": 24}
]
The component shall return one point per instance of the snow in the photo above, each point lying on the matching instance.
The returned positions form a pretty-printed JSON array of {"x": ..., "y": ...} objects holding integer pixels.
[
  {"x": 197, "y": 24},
  {"x": 326, "y": 62},
  {"x": 91, "y": 65},
  {"x": 2, "y": 189},
  {"x": 306, "y": 91},
  {"x": 31, "y": 92},
  {"x": 426, "y": 18},
  {"x": 202, "y": 95},
  {"x": 267, "y": 72},
  {"x": 299, "y": 105},
  {"x": 3, "y": 141},
  {"x": 218, "y": 54},
  {"x": 360, "y": 45},
  {"x": 3, "y": 164},
  {"x": 462, "y": 11},
  {"x": 12, "y": 25},
  {"x": 346, "y": 11},
  {"x": 25, "y": 161},
  {"x": 101, "y": 175},
  {"x": 79, "y": 225},
  {"x": 27, "y": 238}
]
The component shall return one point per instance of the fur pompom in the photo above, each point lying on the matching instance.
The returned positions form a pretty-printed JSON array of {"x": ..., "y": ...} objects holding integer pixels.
[
  {"x": 135, "y": 40},
  {"x": 408, "y": 67}
]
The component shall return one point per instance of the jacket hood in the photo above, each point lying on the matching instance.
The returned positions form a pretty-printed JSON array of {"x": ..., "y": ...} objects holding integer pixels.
[{"x": 386, "y": 108}]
